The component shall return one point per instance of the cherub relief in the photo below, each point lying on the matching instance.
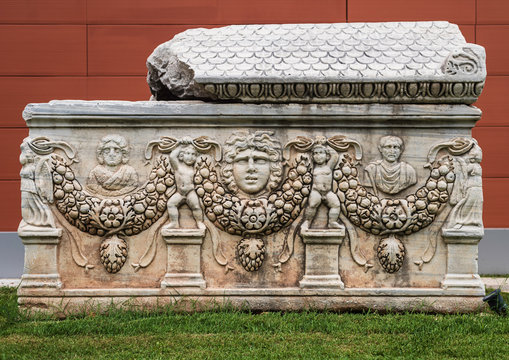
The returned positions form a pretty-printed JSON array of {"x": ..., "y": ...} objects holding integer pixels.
[
  {"x": 112, "y": 176},
  {"x": 182, "y": 161},
  {"x": 325, "y": 161}
]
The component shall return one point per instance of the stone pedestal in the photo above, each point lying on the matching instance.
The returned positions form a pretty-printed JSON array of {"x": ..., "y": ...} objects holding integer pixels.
[
  {"x": 40, "y": 269},
  {"x": 184, "y": 261},
  {"x": 322, "y": 258},
  {"x": 462, "y": 251}
]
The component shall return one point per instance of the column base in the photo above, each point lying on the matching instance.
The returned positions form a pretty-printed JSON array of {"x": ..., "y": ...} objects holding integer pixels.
[
  {"x": 465, "y": 235},
  {"x": 183, "y": 280},
  {"x": 321, "y": 281},
  {"x": 462, "y": 281},
  {"x": 31, "y": 281},
  {"x": 40, "y": 269},
  {"x": 462, "y": 270},
  {"x": 30, "y": 234}
]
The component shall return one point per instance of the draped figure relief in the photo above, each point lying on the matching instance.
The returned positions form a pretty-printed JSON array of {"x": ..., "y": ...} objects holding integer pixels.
[
  {"x": 112, "y": 176},
  {"x": 390, "y": 175}
]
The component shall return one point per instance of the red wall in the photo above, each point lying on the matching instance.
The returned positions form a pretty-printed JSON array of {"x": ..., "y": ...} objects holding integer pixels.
[{"x": 96, "y": 49}]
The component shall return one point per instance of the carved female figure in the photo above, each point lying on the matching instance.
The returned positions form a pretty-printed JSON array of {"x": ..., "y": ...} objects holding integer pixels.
[
  {"x": 112, "y": 176},
  {"x": 35, "y": 196},
  {"x": 467, "y": 193}
]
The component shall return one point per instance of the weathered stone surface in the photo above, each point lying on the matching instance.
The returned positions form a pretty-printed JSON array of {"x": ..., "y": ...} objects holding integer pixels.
[
  {"x": 282, "y": 206},
  {"x": 400, "y": 62}
]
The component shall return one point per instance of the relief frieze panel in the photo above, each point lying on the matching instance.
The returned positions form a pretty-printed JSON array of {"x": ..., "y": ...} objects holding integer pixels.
[{"x": 251, "y": 187}]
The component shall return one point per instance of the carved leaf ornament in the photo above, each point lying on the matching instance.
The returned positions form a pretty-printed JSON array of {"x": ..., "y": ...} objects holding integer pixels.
[{"x": 252, "y": 218}]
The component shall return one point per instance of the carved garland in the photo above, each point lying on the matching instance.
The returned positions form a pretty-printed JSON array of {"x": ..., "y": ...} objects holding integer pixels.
[
  {"x": 253, "y": 218},
  {"x": 112, "y": 219}
]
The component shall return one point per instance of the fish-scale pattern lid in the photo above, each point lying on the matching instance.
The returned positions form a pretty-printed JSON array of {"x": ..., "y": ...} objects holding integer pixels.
[
  {"x": 322, "y": 53},
  {"x": 318, "y": 51}
]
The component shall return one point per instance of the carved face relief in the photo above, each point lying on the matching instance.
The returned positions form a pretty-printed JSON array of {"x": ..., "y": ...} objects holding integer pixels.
[
  {"x": 320, "y": 155},
  {"x": 26, "y": 156},
  {"x": 252, "y": 162},
  {"x": 390, "y": 175},
  {"x": 188, "y": 155},
  {"x": 112, "y": 176},
  {"x": 390, "y": 149},
  {"x": 251, "y": 170},
  {"x": 111, "y": 153}
]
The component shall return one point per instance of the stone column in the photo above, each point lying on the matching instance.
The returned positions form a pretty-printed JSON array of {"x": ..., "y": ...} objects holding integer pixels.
[
  {"x": 322, "y": 258},
  {"x": 40, "y": 269},
  {"x": 184, "y": 257},
  {"x": 462, "y": 251}
]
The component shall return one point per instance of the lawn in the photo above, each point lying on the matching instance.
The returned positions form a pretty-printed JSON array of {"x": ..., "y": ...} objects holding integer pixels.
[{"x": 232, "y": 334}]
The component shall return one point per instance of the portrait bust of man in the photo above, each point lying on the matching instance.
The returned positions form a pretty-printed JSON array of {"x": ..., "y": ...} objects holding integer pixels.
[
  {"x": 252, "y": 163},
  {"x": 390, "y": 175},
  {"x": 112, "y": 176}
]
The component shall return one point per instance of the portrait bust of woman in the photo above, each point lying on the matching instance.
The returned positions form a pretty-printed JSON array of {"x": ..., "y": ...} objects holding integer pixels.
[{"x": 112, "y": 176}]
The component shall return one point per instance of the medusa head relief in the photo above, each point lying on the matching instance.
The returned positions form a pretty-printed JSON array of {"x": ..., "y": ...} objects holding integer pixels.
[{"x": 252, "y": 163}]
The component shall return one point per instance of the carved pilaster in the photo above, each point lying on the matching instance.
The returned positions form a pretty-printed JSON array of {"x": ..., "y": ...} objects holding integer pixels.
[
  {"x": 184, "y": 260},
  {"x": 322, "y": 258},
  {"x": 40, "y": 269},
  {"x": 462, "y": 251}
]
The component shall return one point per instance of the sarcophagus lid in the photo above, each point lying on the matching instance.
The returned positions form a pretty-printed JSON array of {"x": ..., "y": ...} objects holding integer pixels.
[{"x": 395, "y": 62}]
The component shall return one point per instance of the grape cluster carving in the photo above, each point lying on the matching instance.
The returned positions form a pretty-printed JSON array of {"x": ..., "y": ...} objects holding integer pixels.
[
  {"x": 251, "y": 253},
  {"x": 391, "y": 253},
  {"x": 113, "y": 253}
]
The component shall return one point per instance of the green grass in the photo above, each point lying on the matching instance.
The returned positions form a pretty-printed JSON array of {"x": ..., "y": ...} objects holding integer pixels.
[
  {"x": 506, "y": 276},
  {"x": 231, "y": 334}
]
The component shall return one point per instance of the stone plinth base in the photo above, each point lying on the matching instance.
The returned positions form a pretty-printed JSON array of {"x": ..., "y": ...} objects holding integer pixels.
[
  {"x": 462, "y": 272},
  {"x": 322, "y": 258},
  {"x": 183, "y": 247},
  {"x": 40, "y": 270}
]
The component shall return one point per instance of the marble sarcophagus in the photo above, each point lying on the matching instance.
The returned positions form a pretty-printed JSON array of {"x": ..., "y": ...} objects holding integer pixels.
[{"x": 326, "y": 166}]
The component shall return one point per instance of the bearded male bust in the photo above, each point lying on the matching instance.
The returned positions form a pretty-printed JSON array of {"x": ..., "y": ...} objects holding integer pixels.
[{"x": 390, "y": 175}]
